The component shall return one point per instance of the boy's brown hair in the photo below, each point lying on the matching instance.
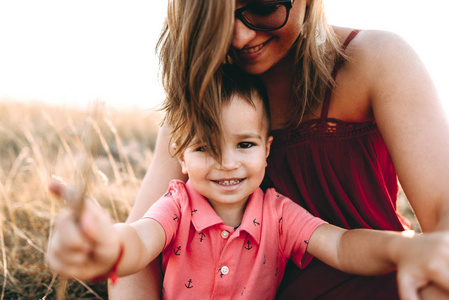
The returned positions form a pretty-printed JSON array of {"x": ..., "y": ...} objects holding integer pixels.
[{"x": 230, "y": 82}]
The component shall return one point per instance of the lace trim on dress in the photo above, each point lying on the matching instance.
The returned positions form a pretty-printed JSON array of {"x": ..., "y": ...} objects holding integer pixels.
[{"x": 323, "y": 129}]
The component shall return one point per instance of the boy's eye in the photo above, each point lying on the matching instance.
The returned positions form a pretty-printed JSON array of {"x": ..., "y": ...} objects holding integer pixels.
[
  {"x": 245, "y": 145},
  {"x": 201, "y": 148}
]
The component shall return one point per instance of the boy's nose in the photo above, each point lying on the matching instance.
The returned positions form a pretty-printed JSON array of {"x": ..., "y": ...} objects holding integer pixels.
[
  {"x": 242, "y": 35},
  {"x": 229, "y": 161}
]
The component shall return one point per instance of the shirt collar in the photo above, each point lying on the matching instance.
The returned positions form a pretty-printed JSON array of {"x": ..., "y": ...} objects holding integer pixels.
[
  {"x": 252, "y": 218},
  {"x": 204, "y": 216}
]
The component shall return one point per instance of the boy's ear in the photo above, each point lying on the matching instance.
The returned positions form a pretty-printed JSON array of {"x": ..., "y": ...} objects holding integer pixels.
[
  {"x": 268, "y": 145},
  {"x": 180, "y": 159}
]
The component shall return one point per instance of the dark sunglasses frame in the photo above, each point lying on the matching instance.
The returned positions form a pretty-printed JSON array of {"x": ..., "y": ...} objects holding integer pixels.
[{"x": 239, "y": 14}]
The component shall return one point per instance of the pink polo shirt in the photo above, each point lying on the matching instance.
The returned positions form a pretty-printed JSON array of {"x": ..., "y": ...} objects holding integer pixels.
[{"x": 205, "y": 259}]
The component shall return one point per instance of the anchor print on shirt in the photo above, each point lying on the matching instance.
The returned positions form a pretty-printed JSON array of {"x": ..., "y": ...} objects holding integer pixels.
[
  {"x": 193, "y": 211},
  {"x": 248, "y": 247},
  {"x": 189, "y": 284},
  {"x": 176, "y": 218},
  {"x": 256, "y": 223},
  {"x": 176, "y": 250},
  {"x": 169, "y": 193},
  {"x": 202, "y": 236}
]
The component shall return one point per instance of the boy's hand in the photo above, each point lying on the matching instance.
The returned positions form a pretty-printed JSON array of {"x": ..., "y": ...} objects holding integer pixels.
[
  {"x": 424, "y": 259},
  {"x": 85, "y": 248}
]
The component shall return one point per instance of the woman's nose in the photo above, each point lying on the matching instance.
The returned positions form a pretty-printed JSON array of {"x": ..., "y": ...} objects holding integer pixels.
[{"x": 242, "y": 35}]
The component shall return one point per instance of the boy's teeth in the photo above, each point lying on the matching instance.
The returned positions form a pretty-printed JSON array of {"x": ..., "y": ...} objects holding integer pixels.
[{"x": 228, "y": 182}]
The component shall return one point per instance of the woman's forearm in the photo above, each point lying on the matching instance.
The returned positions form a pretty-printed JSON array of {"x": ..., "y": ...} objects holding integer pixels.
[
  {"x": 163, "y": 168},
  {"x": 144, "y": 285}
]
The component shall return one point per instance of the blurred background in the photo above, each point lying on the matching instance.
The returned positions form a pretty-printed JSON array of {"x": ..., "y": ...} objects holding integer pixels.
[{"x": 68, "y": 53}]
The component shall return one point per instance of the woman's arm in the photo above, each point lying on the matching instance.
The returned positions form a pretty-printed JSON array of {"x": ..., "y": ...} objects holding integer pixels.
[
  {"x": 147, "y": 283},
  {"x": 413, "y": 124},
  {"x": 412, "y": 121},
  {"x": 163, "y": 168},
  {"x": 419, "y": 259}
]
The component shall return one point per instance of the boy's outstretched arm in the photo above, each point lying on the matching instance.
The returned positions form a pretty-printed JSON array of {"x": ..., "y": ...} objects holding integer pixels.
[
  {"x": 143, "y": 241},
  {"x": 89, "y": 247},
  {"x": 419, "y": 259}
]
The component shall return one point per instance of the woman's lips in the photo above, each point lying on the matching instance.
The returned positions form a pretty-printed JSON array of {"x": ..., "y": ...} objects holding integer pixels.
[{"x": 252, "y": 50}]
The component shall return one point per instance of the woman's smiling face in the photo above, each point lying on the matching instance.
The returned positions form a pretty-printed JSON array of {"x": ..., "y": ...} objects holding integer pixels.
[{"x": 258, "y": 51}]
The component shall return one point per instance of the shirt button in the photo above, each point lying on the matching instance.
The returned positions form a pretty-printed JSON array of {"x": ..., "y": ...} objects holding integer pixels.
[
  {"x": 224, "y": 270},
  {"x": 225, "y": 234}
]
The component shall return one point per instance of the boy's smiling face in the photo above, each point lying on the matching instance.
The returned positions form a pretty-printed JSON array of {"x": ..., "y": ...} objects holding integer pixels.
[{"x": 246, "y": 146}]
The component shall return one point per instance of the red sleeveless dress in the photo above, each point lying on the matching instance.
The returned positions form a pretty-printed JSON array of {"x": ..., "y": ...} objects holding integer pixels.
[{"x": 343, "y": 173}]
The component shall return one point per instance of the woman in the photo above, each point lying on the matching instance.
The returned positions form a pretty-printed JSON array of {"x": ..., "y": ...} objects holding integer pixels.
[{"x": 350, "y": 110}]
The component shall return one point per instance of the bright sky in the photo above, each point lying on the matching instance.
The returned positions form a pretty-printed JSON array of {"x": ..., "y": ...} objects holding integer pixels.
[{"x": 72, "y": 52}]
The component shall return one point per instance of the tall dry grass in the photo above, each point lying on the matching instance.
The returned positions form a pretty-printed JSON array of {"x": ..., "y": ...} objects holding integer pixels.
[{"x": 38, "y": 142}]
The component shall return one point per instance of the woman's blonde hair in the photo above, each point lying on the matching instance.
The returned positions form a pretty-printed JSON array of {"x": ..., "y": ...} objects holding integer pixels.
[
  {"x": 316, "y": 51},
  {"x": 194, "y": 44},
  {"x": 192, "y": 47}
]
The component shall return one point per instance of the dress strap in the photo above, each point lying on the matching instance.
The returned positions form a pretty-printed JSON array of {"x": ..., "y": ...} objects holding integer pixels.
[{"x": 338, "y": 63}]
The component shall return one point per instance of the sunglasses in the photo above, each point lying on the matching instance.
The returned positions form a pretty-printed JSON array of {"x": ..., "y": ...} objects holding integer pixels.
[{"x": 265, "y": 16}]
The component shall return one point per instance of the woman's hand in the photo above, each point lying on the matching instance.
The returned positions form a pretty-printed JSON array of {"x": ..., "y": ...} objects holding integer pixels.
[
  {"x": 83, "y": 247},
  {"x": 421, "y": 260}
]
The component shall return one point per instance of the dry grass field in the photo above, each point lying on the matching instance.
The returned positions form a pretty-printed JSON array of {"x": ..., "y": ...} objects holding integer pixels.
[{"x": 37, "y": 142}]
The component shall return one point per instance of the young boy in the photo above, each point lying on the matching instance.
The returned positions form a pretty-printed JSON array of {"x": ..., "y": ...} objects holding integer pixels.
[{"x": 221, "y": 236}]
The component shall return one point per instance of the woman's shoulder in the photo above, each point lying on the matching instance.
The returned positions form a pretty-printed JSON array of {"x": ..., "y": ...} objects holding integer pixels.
[
  {"x": 371, "y": 55},
  {"x": 372, "y": 48},
  {"x": 369, "y": 39}
]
